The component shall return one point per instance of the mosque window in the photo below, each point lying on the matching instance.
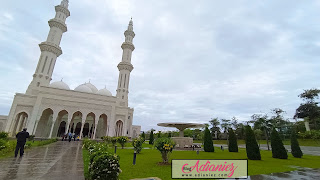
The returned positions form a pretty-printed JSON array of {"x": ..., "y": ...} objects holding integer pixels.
[
  {"x": 38, "y": 84},
  {"x": 44, "y": 65}
]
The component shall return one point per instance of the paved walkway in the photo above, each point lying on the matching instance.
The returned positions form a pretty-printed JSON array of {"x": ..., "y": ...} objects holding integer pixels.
[
  {"x": 311, "y": 150},
  {"x": 60, "y": 160}
]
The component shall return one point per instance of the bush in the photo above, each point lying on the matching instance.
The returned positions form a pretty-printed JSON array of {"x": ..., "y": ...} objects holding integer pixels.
[
  {"x": 233, "y": 144},
  {"x": 114, "y": 140},
  {"x": 165, "y": 146},
  {"x": 122, "y": 140},
  {"x": 208, "y": 143},
  {"x": 278, "y": 150},
  {"x": 313, "y": 134},
  {"x": 106, "y": 139},
  {"x": 137, "y": 144},
  {"x": 253, "y": 151},
  {"x": 103, "y": 164},
  {"x": 295, "y": 148},
  {"x": 151, "y": 139},
  {"x": 4, "y": 135},
  {"x": 3, "y": 144}
]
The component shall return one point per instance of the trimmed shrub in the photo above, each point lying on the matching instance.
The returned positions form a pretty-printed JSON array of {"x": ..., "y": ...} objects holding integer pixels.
[
  {"x": 114, "y": 140},
  {"x": 208, "y": 143},
  {"x": 103, "y": 164},
  {"x": 151, "y": 139},
  {"x": 165, "y": 146},
  {"x": 122, "y": 140},
  {"x": 278, "y": 150},
  {"x": 253, "y": 151},
  {"x": 295, "y": 148},
  {"x": 137, "y": 144},
  {"x": 233, "y": 144}
]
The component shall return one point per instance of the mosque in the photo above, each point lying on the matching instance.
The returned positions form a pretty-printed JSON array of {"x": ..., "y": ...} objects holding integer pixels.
[{"x": 50, "y": 110}]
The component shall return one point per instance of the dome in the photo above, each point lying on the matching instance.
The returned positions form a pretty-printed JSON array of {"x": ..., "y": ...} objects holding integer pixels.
[
  {"x": 104, "y": 92},
  {"x": 92, "y": 87},
  {"x": 59, "y": 85},
  {"x": 83, "y": 88}
]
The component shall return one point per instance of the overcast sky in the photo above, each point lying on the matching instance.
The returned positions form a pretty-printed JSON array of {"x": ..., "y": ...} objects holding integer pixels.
[{"x": 194, "y": 60}]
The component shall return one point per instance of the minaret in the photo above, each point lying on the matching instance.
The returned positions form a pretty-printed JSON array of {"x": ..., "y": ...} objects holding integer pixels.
[
  {"x": 125, "y": 67},
  {"x": 50, "y": 49}
]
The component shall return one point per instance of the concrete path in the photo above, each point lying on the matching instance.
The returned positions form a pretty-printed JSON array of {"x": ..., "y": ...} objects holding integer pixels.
[
  {"x": 60, "y": 160},
  {"x": 310, "y": 150}
]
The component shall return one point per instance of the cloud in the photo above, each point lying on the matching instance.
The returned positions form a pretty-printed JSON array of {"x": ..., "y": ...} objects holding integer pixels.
[{"x": 193, "y": 60}]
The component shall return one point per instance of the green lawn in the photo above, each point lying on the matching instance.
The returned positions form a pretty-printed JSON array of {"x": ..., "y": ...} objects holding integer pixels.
[
  {"x": 11, "y": 146},
  {"x": 147, "y": 162},
  {"x": 302, "y": 142}
]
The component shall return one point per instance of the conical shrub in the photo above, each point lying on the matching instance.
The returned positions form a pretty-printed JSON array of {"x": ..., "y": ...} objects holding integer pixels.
[
  {"x": 278, "y": 150},
  {"x": 252, "y": 148},
  {"x": 233, "y": 144},
  {"x": 151, "y": 139},
  {"x": 295, "y": 148},
  {"x": 208, "y": 143}
]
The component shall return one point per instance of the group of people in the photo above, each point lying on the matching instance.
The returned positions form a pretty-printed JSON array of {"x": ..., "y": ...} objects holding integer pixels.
[{"x": 70, "y": 136}]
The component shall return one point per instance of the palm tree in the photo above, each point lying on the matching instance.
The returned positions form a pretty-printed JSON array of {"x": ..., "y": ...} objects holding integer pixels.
[{"x": 262, "y": 123}]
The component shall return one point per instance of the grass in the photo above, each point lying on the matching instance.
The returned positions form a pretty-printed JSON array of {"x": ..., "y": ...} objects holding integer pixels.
[
  {"x": 147, "y": 160},
  {"x": 86, "y": 160},
  {"x": 11, "y": 146},
  {"x": 302, "y": 142}
]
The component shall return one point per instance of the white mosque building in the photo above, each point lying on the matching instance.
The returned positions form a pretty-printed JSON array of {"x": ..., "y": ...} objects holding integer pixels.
[{"x": 50, "y": 110}]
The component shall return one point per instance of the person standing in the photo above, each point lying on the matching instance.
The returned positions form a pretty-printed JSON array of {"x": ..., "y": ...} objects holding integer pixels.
[
  {"x": 70, "y": 136},
  {"x": 21, "y": 141}
]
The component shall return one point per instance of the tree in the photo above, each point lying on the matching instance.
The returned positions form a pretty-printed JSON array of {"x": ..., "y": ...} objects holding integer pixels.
[
  {"x": 278, "y": 150},
  {"x": 215, "y": 127},
  {"x": 310, "y": 108},
  {"x": 295, "y": 148},
  {"x": 233, "y": 145},
  {"x": 261, "y": 122},
  {"x": 253, "y": 152},
  {"x": 240, "y": 131},
  {"x": 169, "y": 135},
  {"x": 159, "y": 134},
  {"x": 208, "y": 143},
  {"x": 143, "y": 135},
  {"x": 225, "y": 124},
  {"x": 234, "y": 122},
  {"x": 151, "y": 138},
  {"x": 258, "y": 133}
]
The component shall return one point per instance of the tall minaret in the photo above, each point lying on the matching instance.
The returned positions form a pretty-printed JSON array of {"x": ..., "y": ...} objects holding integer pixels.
[
  {"x": 125, "y": 67},
  {"x": 50, "y": 49}
]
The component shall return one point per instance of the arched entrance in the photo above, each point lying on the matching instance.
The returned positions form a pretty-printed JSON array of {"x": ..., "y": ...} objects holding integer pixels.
[
  {"x": 61, "y": 129},
  {"x": 77, "y": 129},
  {"x": 119, "y": 128},
  {"x": 20, "y": 122},
  {"x": 44, "y": 124},
  {"x": 85, "y": 131},
  {"x": 102, "y": 126}
]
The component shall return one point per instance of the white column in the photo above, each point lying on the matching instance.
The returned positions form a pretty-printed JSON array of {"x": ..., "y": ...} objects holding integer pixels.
[
  {"x": 306, "y": 123},
  {"x": 83, "y": 121},
  {"x": 17, "y": 128},
  {"x": 54, "y": 119},
  {"x": 68, "y": 123}
]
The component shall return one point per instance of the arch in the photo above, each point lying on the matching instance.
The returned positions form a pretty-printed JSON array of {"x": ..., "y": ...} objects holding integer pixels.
[
  {"x": 62, "y": 116},
  {"x": 62, "y": 128},
  {"x": 119, "y": 128},
  {"x": 85, "y": 132},
  {"x": 44, "y": 124},
  {"x": 19, "y": 122},
  {"x": 77, "y": 128},
  {"x": 102, "y": 126},
  {"x": 76, "y": 118}
]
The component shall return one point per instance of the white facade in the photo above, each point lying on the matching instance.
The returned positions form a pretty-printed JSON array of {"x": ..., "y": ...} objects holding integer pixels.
[{"x": 51, "y": 110}]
